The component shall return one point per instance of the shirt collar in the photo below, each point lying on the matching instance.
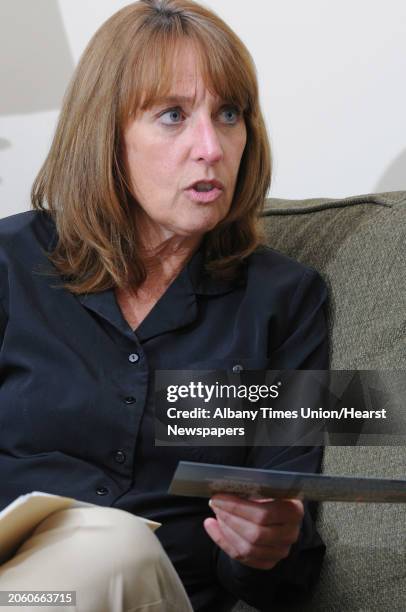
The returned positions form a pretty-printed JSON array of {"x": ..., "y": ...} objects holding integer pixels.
[{"x": 177, "y": 306}]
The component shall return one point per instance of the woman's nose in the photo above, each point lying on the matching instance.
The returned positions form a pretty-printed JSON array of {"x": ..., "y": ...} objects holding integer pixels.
[{"x": 206, "y": 142}]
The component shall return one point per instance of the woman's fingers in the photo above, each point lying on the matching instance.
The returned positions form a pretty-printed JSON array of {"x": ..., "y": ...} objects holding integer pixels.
[
  {"x": 237, "y": 548},
  {"x": 213, "y": 529},
  {"x": 260, "y": 535},
  {"x": 257, "y": 533},
  {"x": 280, "y": 511}
]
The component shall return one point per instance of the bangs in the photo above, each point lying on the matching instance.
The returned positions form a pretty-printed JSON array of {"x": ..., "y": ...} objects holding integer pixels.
[{"x": 223, "y": 71}]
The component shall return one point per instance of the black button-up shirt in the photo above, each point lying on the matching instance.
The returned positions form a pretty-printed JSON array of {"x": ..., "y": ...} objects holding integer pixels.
[{"x": 76, "y": 410}]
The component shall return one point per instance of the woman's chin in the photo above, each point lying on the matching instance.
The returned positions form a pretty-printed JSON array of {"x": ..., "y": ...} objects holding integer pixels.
[
  {"x": 198, "y": 230},
  {"x": 203, "y": 224}
]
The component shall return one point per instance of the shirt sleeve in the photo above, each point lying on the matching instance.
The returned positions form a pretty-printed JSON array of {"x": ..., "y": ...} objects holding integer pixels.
[{"x": 293, "y": 578}]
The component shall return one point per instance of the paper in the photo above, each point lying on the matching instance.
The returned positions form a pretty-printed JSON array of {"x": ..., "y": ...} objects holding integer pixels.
[
  {"x": 25, "y": 513},
  {"x": 205, "y": 479}
]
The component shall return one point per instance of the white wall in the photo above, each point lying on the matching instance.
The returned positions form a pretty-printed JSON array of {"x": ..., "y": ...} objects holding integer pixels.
[{"x": 332, "y": 81}]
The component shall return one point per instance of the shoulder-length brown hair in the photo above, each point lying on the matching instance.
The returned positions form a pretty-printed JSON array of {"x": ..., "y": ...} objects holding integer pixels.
[{"x": 83, "y": 182}]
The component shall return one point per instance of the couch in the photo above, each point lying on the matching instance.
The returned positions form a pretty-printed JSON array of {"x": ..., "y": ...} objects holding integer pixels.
[{"x": 358, "y": 245}]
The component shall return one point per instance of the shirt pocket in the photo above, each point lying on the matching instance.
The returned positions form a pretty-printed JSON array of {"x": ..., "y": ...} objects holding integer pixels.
[{"x": 230, "y": 370}]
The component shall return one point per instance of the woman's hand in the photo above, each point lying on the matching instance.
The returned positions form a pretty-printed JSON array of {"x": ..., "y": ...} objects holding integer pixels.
[{"x": 257, "y": 533}]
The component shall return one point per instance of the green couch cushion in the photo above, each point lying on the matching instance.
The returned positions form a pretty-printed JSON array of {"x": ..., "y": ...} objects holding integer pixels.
[{"x": 358, "y": 246}]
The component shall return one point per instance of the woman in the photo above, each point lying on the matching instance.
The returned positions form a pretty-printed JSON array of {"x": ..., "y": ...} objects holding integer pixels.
[{"x": 143, "y": 253}]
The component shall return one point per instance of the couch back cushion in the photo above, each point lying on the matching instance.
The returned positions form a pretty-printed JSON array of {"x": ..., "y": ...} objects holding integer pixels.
[{"x": 358, "y": 246}]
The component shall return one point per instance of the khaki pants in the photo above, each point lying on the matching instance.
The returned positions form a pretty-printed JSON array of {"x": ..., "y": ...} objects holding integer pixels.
[{"x": 111, "y": 558}]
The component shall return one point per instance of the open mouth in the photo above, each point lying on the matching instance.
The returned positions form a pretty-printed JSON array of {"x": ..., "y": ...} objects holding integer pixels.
[
  {"x": 203, "y": 187},
  {"x": 203, "y": 195}
]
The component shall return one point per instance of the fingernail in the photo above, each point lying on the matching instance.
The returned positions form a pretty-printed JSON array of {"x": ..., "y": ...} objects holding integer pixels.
[{"x": 216, "y": 503}]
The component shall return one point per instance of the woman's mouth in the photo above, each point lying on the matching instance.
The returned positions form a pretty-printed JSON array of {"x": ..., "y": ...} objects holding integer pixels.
[{"x": 203, "y": 196}]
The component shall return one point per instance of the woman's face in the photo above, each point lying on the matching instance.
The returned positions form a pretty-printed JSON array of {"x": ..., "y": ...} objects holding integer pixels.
[{"x": 177, "y": 142}]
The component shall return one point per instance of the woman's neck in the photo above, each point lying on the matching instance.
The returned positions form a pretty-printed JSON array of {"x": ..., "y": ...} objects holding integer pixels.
[
  {"x": 164, "y": 254},
  {"x": 163, "y": 263}
]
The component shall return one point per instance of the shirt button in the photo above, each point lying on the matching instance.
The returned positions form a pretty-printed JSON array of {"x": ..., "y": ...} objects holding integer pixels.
[
  {"x": 119, "y": 456},
  {"x": 102, "y": 491},
  {"x": 133, "y": 357},
  {"x": 129, "y": 400},
  {"x": 237, "y": 368}
]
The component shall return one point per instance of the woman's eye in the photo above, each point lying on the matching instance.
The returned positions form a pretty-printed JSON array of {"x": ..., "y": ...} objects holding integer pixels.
[
  {"x": 171, "y": 115},
  {"x": 232, "y": 114}
]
